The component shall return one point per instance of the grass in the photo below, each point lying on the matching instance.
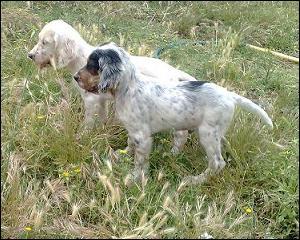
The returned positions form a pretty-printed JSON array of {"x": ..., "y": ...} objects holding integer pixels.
[{"x": 55, "y": 186}]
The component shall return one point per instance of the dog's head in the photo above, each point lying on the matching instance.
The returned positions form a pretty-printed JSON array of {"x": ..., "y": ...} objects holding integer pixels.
[
  {"x": 103, "y": 70},
  {"x": 56, "y": 45}
]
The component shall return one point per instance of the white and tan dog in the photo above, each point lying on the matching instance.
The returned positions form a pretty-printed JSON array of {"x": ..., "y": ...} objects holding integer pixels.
[
  {"x": 60, "y": 45},
  {"x": 148, "y": 105}
]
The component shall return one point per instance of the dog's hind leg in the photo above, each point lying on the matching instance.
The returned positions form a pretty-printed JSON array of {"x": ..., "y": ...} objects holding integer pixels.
[{"x": 210, "y": 138}]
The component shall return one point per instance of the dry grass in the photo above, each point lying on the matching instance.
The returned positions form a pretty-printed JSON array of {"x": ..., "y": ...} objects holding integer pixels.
[{"x": 54, "y": 184}]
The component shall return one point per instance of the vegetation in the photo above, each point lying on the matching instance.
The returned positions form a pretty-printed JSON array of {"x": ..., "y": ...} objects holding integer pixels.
[{"x": 56, "y": 185}]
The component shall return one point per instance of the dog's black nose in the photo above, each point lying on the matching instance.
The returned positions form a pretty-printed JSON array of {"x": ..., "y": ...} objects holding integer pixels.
[
  {"x": 31, "y": 56},
  {"x": 76, "y": 78}
]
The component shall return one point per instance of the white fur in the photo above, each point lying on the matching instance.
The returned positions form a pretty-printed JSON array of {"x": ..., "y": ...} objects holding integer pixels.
[
  {"x": 62, "y": 46},
  {"x": 148, "y": 105}
]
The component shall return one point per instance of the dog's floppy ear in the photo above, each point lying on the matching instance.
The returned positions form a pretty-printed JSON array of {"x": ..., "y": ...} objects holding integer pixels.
[
  {"x": 110, "y": 67},
  {"x": 65, "y": 48}
]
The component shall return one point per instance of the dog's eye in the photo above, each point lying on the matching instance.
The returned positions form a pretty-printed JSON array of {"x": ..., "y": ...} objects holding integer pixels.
[{"x": 44, "y": 42}]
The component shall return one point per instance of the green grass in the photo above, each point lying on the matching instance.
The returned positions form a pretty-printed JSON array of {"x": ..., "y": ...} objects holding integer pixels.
[{"x": 64, "y": 187}]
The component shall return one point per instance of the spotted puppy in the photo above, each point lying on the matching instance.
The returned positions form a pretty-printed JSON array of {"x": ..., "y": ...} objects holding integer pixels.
[{"x": 147, "y": 105}]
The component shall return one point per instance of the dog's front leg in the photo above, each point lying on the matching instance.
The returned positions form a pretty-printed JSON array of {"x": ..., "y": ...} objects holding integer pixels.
[
  {"x": 95, "y": 110},
  {"x": 130, "y": 146},
  {"x": 141, "y": 157},
  {"x": 180, "y": 138}
]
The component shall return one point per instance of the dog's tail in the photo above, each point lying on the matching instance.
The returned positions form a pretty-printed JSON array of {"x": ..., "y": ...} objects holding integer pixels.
[{"x": 252, "y": 107}]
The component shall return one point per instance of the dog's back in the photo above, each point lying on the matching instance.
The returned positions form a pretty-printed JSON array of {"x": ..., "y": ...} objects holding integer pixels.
[
  {"x": 157, "y": 68},
  {"x": 181, "y": 105}
]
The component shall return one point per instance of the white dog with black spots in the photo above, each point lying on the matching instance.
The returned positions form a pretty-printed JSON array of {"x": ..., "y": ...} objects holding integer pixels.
[{"x": 147, "y": 105}]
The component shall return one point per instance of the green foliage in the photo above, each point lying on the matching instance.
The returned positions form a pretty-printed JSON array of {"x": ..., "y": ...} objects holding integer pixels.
[{"x": 65, "y": 183}]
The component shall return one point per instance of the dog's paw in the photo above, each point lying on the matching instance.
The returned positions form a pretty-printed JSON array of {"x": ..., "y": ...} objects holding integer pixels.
[
  {"x": 175, "y": 151},
  {"x": 132, "y": 178},
  {"x": 128, "y": 180},
  {"x": 138, "y": 176}
]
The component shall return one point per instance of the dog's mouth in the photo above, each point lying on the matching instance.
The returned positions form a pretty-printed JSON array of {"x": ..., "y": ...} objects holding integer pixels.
[
  {"x": 94, "y": 89},
  {"x": 44, "y": 65},
  {"x": 91, "y": 89}
]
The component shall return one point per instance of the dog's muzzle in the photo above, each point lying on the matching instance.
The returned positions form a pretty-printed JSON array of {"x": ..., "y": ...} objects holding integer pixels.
[{"x": 31, "y": 56}]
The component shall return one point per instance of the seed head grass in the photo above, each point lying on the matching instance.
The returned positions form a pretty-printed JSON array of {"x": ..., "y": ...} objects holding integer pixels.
[{"x": 58, "y": 181}]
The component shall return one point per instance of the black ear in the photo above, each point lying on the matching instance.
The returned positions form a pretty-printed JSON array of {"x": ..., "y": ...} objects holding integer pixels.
[
  {"x": 93, "y": 63},
  {"x": 109, "y": 65}
]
